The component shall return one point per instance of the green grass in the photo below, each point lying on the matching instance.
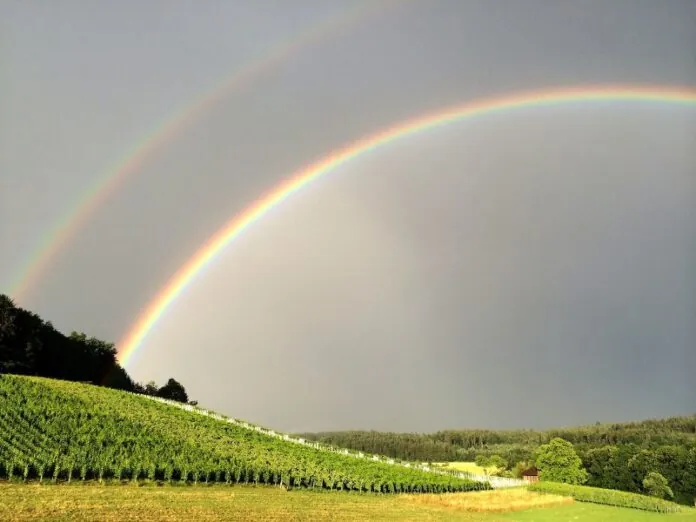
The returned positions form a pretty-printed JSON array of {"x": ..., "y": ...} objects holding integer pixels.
[
  {"x": 70, "y": 502},
  {"x": 58, "y": 430}
]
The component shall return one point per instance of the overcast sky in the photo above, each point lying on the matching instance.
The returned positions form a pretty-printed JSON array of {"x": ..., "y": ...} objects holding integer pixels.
[{"x": 529, "y": 269}]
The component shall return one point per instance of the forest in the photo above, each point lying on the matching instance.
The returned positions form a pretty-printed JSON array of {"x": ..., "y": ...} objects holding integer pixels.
[
  {"x": 31, "y": 346},
  {"x": 615, "y": 456}
]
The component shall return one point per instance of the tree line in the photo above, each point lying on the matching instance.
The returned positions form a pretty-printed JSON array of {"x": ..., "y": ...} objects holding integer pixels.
[
  {"x": 619, "y": 456},
  {"x": 453, "y": 445},
  {"x": 31, "y": 346}
]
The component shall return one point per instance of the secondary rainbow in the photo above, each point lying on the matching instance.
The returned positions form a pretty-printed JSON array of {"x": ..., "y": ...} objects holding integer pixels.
[
  {"x": 233, "y": 228},
  {"x": 91, "y": 199}
]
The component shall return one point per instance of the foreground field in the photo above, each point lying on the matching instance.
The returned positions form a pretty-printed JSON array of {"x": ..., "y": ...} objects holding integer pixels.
[{"x": 68, "y": 502}]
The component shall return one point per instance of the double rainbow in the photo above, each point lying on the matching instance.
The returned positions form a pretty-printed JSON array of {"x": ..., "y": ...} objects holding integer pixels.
[
  {"x": 115, "y": 177},
  {"x": 158, "y": 306}
]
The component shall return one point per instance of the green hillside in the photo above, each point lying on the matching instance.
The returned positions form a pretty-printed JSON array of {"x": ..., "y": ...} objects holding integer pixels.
[{"x": 66, "y": 431}]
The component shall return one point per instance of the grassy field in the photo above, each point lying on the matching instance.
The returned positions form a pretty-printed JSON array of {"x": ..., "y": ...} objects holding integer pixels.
[{"x": 111, "y": 503}]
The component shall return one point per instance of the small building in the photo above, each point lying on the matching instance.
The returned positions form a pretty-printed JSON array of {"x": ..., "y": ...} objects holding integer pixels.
[{"x": 531, "y": 474}]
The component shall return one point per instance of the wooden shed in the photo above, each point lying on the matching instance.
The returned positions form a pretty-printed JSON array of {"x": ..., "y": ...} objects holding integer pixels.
[{"x": 531, "y": 474}]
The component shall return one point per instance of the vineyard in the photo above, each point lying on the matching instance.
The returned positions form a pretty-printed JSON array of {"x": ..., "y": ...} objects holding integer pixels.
[
  {"x": 63, "y": 431},
  {"x": 495, "y": 482}
]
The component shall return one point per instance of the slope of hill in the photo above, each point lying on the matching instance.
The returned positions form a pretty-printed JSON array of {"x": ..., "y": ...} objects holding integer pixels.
[{"x": 59, "y": 430}]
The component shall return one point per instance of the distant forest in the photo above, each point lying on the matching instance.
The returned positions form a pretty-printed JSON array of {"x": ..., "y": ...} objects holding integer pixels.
[
  {"x": 615, "y": 456},
  {"x": 31, "y": 346}
]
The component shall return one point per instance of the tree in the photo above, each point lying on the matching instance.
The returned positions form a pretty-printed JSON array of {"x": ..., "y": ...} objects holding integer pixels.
[
  {"x": 174, "y": 391},
  {"x": 656, "y": 485},
  {"x": 481, "y": 460},
  {"x": 7, "y": 309},
  {"x": 498, "y": 462},
  {"x": 151, "y": 388},
  {"x": 557, "y": 461}
]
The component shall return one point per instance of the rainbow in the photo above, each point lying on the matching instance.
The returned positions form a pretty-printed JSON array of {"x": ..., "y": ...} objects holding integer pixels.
[
  {"x": 239, "y": 223},
  {"x": 94, "y": 196}
]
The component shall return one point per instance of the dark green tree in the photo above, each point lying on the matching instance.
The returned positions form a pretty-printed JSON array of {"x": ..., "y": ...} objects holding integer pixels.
[
  {"x": 174, "y": 391},
  {"x": 151, "y": 389}
]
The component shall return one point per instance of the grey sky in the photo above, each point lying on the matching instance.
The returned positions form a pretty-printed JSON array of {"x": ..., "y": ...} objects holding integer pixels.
[{"x": 534, "y": 268}]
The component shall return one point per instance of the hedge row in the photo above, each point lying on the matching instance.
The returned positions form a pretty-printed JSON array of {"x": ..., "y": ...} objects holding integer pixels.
[{"x": 609, "y": 497}]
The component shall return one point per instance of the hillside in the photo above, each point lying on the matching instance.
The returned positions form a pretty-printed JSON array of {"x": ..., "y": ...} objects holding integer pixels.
[{"x": 59, "y": 430}]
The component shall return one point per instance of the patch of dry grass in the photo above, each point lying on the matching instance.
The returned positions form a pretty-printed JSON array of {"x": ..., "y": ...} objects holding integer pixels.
[{"x": 495, "y": 501}]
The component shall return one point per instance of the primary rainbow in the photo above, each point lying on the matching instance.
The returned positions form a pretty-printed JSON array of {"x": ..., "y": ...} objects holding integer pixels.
[
  {"x": 114, "y": 177},
  {"x": 233, "y": 228}
]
